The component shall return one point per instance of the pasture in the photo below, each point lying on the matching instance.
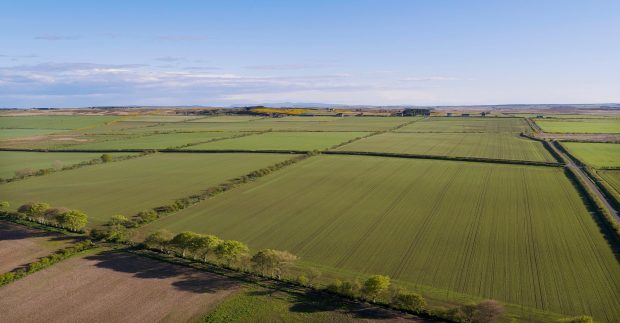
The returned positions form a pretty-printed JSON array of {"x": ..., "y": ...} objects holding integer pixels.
[
  {"x": 608, "y": 125},
  {"x": 113, "y": 287},
  {"x": 154, "y": 141},
  {"x": 497, "y": 145},
  {"x": 21, "y": 133},
  {"x": 467, "y": 124},
  {"x": 441, "y": 227},
  {"x": 595, "y": 154},
  {"x": 134, "y": 185},
  {"x": 53, "y": 122},
  {"x": 283, "y": 141},
  {"x": 612, "y": 177}
]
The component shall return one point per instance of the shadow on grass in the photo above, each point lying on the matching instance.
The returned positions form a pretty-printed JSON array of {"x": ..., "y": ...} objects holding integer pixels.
[
  {"x": 182, "y": 278},
  {"x": 11, "y": 231}
]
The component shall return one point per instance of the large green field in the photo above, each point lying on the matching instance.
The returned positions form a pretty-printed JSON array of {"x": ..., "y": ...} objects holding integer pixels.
[
  {"x": 467, "y": 124},
  {"x": 154, "y": 141},
  {"x": 519, "y": 234},
  {"x": 283, "y": 141},
  {"x": 612, "y": 177},
  {"x": 485, "y": 145},
  {"x": 595, "y": 154},
  {"x": 13, "y": 161},
  {"x": 131, "y": 186},
  {"x": 20, "y": 133},
  {"x": 610, "y": 125},
  {"x": 53, "y": 122}
]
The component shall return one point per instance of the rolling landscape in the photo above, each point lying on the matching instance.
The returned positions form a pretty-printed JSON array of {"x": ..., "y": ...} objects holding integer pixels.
[{"x": 310, "y": 161}]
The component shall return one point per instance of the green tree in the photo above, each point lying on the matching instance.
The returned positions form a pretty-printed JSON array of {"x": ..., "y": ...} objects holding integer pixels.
[
  {"x": 231, "y": 250},
  {"x": 184, "y": 241},
  {"x": 118, "y": 219},
  {"x": 205, "y": 244},
  {"x": 74, "y": 220},
  {"x": 146, "y": 216},
  {"x": 4, "y": 205},
  {"x": 578, "y": 319},
  {"x": 375, "y": 285},
  {"x": 409, "y": 301},
  {"x": 106, "y": 158},
  {"x": 273, "y": 261},
  {"x": 34, "y": 210},
  {"x": 158, "y": 239}
]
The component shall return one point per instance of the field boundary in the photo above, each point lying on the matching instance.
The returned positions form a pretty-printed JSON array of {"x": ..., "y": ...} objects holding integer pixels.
[{"x": 547, "y": 146}]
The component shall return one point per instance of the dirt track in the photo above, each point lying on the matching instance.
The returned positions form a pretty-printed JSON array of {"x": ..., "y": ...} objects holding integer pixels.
[
  {"x": 20, "y": 245},
  {"x": 113, "y": 287}
]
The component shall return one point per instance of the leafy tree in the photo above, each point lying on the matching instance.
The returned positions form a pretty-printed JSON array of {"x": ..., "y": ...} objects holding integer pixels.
[
  {"x": 74, "y": 220},
  {"x": 231, "y": 250},
  {"x": 578, "y": 319},
  {"x": 335, "y": 286},
  {"x": 488, "y": 311},
  {"x": 116, "y": 232},
  {"x": 52, "y": 213},
  {"x": 205, "y": 244},
  {"x": 106, "y": 158},
  {"x": 118, "y": 219},
  {"x": 158, "y": 239},
  {"x": 183, "y": 241},
  {"x": 269, "y": 260},
  {"x": 146, "y": 216},
  {"x": 409, "y": 301},
  {"x": 34, "y": 209},
  {"x": 303, "y": 280},
  {"x": 350, "y": 288},
  {"x": 4, "y": 205},
  {"x": 375, "y": 285}
]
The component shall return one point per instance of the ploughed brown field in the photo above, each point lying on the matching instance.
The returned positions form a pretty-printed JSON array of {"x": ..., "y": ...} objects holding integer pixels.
[
  {"x": 20, "y": 245},
  {"x": 113, "y": 287}
]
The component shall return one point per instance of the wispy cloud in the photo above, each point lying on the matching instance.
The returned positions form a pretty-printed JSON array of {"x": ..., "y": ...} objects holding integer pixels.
[
  {"x": 56, "y": 37},
  {"x": 281, "y": 67},
  {"x": 430, "y": 78}
]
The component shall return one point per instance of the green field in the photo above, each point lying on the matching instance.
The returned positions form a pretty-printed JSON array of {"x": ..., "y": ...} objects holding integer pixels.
[
  {"x": 580, "y": 125},
  {"x": 159, "y": 118},
  {"x": 283, "y": 141},
  {"x": 467, "y": 124},
  {"x": 156, "y": 141},
  {"x": 20, "y": 133},
  {"x": 13, "y": 161},
  {"x": 131, "y": 186},
  {"x": 54, "y": 122},
  {"x": 612, "y": 177},
  {"x": 231, "y": 118},
  {"x": 595, "y": 154},
  {"x": 519, "y": 234},
  {"x": 485, "y": 145}
]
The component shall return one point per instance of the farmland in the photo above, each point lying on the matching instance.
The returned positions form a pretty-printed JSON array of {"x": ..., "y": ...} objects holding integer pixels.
[
  {"x": 20, "y": 133},
  {"x": 485, "y": 145},
  {"x": 608, "y": 125},
  {"x": 131, "y": 186},
  {"x": 53, "y": 122},
  {"x": 463, "y": 124},
  {"x": 416, "y": 220},
  {"x": 612, "y": 177},
  {"x": 154, "y": 141},
  {"x": 595, "y": 154}
]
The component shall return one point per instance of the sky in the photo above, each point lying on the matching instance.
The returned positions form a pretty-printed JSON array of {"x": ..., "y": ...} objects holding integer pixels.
[{"x": 384, "y": 52}]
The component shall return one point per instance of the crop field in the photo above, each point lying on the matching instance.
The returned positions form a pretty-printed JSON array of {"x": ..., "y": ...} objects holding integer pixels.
[
  {"x": 53, "y": 122},
  {"x": 612, "y": 177},
  {"x": 485, "y": 145},
  {"x": 158, "y": 118},
  {"x": 13, "y": 161},
  {"x": 467, "y": 124},
  {"x": 609, "y": 125},
  {"x": 283, "y": 141},
  {"x": 226, "y": 119},
  {"x": 155, "y": 141},
  {"x": 20, "y": 245},
  {"x": 113, "y": 287},
  {"x": 486, "y": 230},
  {"x": 20, "y": 133},
  {"x": 595, "y": 154},
  {"x": 130, "y": 186}
]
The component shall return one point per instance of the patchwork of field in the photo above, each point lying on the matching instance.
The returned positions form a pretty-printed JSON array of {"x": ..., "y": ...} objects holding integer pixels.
[
  {"x": 485, "y": 145},
  {"x": 467, "y": 124},
  {"x": 155, "y": 141},
  {"x": 21, "y": 133},
  {"x": 159, "y": 118},
  {"x": 20, "y": 245},
  {"x": 225, "y": 118},
  {"x": 113, "y": 287},
  {"x": 609, "y": 125},
  {"x": 595, "y": 154},
  {"x": 493, "y": 231},
  {"x": 302, "y": 141},
  {"x": 14, "y": 161},
  {"x": 134, "y": 185},
  {"x": 612, "y": 177},
  {"x": 53, "y": 122}
]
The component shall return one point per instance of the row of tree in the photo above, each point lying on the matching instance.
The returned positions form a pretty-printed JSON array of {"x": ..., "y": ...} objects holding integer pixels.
[{"x": 72, "y": 220}]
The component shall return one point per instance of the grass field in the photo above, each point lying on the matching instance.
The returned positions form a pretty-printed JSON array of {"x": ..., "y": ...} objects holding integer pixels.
[
  {"x": 283, "y": 141},
  {"x": 54, "y": 122},
  {"x": 493, "y": 231},
  {"x": 12, "y": 161},
  {"x": 612, "y": 177},
  {"x": 595, "y": 154},
  {"x": 156, "y": 141},
  {"x": 610, "y": 125},
  {"x": 20, "y": 133},
  {"x": 496, "y": 145},
  {"x": 131, "y": 186},
  {"x": 462, "y": 124},
  {"x": 113, "y": 287},
  {"x": 231, "y": 118}
]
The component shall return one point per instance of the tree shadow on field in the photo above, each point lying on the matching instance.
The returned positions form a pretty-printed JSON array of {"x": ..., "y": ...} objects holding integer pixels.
[
  {"x": 11, "y": 231},
  {"x": 314, "y": 301},
  {"x": 182, "y": 278}
]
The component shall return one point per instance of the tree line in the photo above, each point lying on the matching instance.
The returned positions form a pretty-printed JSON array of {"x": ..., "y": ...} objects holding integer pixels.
[{"x": 43, "y": 213}]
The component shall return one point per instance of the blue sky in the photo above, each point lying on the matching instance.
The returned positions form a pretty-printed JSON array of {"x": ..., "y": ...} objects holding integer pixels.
[{"x": 433, "y": 52}]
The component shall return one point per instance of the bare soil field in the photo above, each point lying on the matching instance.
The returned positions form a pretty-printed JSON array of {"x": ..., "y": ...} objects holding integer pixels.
[
  {"x": 20, "y": 245},
  {"x": 113, "y": 287}
]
